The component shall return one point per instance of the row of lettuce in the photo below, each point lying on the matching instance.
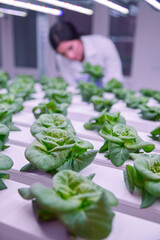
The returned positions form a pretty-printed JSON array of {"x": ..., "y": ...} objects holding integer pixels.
[
  {"x": 76, "y": 201},
  {"x": 11, "y": 101},
  {"x": 79, "y": 203},
  {"x": 93, "y": 94},
  {"x": 121, "y": 143}
]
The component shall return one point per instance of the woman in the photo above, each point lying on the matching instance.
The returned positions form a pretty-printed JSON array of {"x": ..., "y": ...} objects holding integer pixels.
[{"x": 73, "y": 51}]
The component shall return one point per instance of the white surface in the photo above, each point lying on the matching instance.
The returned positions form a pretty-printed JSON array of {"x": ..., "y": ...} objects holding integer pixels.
[
  {"x": 107, "y": 177},
  {"x": 19, "y": 222},
  {"x": 132, "y": 228},
  {"x": 27, "y": 119},
  {"x": 16, "y": 153},
  {"x": 84, "y": 113},
  {"x": 125, "y": 226},
  {"x": 22, "y": 138},
  {"x": 29, "y": 105},
  {"x": 112, "y": 180},
  {"x": 24, "y": 118}
]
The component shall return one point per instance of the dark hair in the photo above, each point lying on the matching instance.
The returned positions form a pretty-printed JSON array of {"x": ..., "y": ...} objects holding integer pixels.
[{"x": 60, "y": 32}]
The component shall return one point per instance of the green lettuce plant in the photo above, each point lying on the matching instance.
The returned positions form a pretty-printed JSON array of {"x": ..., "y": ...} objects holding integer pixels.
[
  {"x": 120, "y": 140},
  {"x": 151, "y": 93},
  {"x": 6, "y": 117},
  {"x": 97, "y": 123},
  {"x": 155, "y": 134},
  {"x": 144, "y": 176},
  {"x": 55, "y": 120},
  {"x": 95, "y": 72},
  {"x": 23, "y": 78},
  {"x": 53, "y": 83},
  {"x": 46, "y": 80},
  {"x": 157, "y": 96},
  {"x": 87, "y": 90},
  {"x": 50, "y": 107},
  {"x": 13, "y": 104},
  {"x": 122, "y": 93},
  {"x": 147, "y": 92},
  {"x": 59, "y": 96},
  {"x": 150, "y": 113},
  {"x": 4, "y": 77},
  {"x": 101, "y": 103},
  {"x": 21, "y": 88},
  {"x": 135, "y": 102},
  {"x": 112, "y": 84},
  {"x": 6, "y": 163},
  {"x": 81, "y": 205},
  {"x": 57, "y": 149},
  {"x": 4, "y": 133}
]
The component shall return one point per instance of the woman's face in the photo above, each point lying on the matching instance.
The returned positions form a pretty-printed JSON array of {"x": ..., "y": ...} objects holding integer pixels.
[{"x": 72, "y": 49}]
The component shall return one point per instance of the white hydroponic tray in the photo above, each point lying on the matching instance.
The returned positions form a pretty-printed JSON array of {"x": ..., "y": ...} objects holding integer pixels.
[
  {"x": 107, "y": 177},
  {"x": 17, "y": 220},
  {"x": 27, "y": 119}
]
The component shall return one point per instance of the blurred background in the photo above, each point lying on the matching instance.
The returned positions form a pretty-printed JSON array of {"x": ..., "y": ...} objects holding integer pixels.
[{"x": 25, "y": 49}]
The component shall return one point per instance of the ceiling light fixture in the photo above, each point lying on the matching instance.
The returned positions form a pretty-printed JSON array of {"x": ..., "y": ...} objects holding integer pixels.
[
  {"x": 154, "y": 3},
  {"x": 113, "y": 5},
  {"x": 13, "y": 12},
  {"x": 68, "y": 6},
  {"x": 33, "y": 7}
]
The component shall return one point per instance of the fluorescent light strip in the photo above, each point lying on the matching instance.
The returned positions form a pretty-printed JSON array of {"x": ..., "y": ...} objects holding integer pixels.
[
  {"x": 68, "y": 6},
  {"x": 13, "y": 12},
  {"x": 1, "y": 15},
  {"x": 154, "y": 3},
  {"x": 32, "y": 7},
  {"x": 113, "y": 6}
]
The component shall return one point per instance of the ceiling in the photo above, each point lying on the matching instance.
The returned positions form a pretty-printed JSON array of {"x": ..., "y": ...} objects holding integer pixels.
[{"x": 84, "y": 3}]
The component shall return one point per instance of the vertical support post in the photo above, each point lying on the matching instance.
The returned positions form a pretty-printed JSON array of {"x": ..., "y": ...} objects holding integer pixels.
[
  {"x": 100, "y": 24},
  {"x": 42, "y": 42},
  {"x": 7, "y": 49},
  {"x": 51, "y": 67}
]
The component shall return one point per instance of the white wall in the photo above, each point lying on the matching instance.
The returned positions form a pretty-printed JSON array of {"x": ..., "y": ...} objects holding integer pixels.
[
  {"x": 146, "y": 62},
  {"x": 146, "y": 53}
]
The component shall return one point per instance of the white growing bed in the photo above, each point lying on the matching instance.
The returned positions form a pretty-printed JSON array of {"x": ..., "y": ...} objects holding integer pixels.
[
  {"x": 19, "y": 222},
  {"x": 131, "y": 222}
]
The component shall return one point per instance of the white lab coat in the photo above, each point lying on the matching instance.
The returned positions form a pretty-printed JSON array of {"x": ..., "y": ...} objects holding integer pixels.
[{"x": 98, "y": 50}]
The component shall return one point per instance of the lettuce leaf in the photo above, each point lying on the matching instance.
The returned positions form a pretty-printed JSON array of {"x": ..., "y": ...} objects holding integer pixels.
[
  {"x": 81, "y": 205},
  {"x": 55, "y": 120},
  {"x": 101, "y": 103},
  {"x": 97, "y": 123},
  {"x": 6, "y": 163},
  {"x": 120, "y": 140},
  {"x": 146, "y": 177},
  {"x": 57, "y": 149},
  {"x": 50, "y": 107}
]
